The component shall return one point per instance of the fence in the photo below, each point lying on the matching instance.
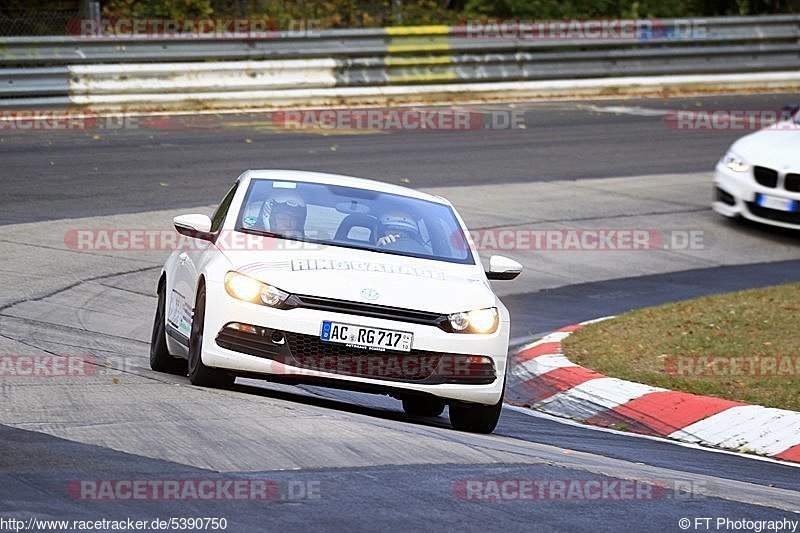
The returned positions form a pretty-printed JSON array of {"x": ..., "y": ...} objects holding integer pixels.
[{"x": 387, "y": 64}]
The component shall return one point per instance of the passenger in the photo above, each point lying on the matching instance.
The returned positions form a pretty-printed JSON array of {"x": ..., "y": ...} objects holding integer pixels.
[{"x": 400, "y": 232}]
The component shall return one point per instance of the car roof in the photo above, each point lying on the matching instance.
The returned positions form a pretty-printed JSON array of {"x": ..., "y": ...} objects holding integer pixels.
[{"x": 339, "y": 179}]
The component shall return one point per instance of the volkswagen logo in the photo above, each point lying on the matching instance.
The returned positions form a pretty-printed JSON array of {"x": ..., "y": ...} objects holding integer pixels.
[{"x": 370, "y": 294}]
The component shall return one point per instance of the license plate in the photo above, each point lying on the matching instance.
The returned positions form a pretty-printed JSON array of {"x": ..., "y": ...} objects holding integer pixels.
[
  {"x": 366, "y": 337},
  {"x": 777, "y": 203}
]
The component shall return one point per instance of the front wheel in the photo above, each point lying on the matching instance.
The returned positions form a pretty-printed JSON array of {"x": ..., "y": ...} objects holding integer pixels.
[
  {"x": 475, "y": 418},
  {"x": 160, "y": 358},
  {"x": 200, "y": 374}
]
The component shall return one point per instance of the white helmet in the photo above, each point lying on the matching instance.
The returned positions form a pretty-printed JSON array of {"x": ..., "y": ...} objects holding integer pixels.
[
  {"x": 288, "y": 203},
  {"x": 399, "y": 221}
]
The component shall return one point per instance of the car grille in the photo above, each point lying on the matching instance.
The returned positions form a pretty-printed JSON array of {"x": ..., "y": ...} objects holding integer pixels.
[
  {"x": 773, "y": 214},
  {"x": 417, "y": 365},
  {"x": 308, "y": 352},
  {"x": 766, "y": 176},
  {"x": 363, "y": 309},
  {"x": 792, "y": 182}
]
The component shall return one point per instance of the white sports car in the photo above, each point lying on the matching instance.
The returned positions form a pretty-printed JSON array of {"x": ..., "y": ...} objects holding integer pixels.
[
  {"x": 303, "y": 277},
  {"x": 759, "y": 177}
]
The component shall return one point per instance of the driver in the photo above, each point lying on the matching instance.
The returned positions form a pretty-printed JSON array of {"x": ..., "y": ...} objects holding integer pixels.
[
  {"x": 285, "y": 213},
  {"x": 398, "y": 226}
]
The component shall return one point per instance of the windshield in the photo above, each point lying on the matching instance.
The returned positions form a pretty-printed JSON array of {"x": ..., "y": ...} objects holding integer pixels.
[{"x": 352, "y": 217}]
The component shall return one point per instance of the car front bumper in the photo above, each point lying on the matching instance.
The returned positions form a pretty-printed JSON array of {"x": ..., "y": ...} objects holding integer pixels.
[
  {"x": 735, "y": 196},
  {"x": 428, "y": 342}
]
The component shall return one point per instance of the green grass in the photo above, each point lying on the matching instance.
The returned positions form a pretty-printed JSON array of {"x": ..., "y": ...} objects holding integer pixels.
[{"x": 689, "y": 346}]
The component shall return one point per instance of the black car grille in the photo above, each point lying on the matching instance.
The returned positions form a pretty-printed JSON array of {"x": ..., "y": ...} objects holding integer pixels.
[
  {"x": 363, "y": 309},
  {"x": 425, "y": 366},
  {"x": 773, "y": 214},
  {"x": 792, "y": 182},
  {"x": 308, "y": 352},
  {"x": 769, "y": 178},
  {"x": 766, "y": 176}
]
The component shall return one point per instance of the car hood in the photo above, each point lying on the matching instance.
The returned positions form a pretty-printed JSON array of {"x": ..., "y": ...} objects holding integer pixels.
[
  {"x": 368, "y": 277},
  {"x": 771, "y": 147}
]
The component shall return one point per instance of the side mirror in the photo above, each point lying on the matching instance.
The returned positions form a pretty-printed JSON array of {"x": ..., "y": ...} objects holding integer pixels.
[
  {"x": 196, "y": 226},
  {"x": 503, "y": 268}
]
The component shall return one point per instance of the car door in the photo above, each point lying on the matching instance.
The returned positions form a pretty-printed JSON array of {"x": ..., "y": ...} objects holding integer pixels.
[{"x": 188, "y": 266}]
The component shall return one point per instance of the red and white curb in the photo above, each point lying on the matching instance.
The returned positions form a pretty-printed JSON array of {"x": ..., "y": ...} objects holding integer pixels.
[{"x": 541, "y": 377}]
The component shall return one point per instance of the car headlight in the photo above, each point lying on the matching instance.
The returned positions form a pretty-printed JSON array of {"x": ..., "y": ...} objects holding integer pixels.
[
  {"x": 477, "y": 321},
  {"x": 735, "y": 162},
  {"x": 251, "y": 290}
]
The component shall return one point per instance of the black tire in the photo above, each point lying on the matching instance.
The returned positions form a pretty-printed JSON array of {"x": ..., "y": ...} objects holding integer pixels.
[
  {"x": 419, "y": 406},
  {"x": 200, "y": 374},
  {"x": 476, "y": 418},
  {"x": 160, "y": 358}
]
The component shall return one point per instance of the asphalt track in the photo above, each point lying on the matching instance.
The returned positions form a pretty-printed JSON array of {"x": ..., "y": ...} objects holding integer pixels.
[
  {"x": 191, "y": 160},
  {"x": 374, "y": 468}
]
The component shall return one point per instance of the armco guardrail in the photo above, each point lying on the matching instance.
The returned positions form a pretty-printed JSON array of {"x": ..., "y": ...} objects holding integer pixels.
[{"x": 338, "y": 66}]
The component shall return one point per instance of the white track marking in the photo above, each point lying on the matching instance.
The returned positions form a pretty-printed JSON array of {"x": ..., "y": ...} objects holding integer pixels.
[
  {"x": 694, "y": 446},
  {"x": 595, "y": 396},
  {"x": 541, "y": 365},
  {"x": 758, "y": 429}
]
